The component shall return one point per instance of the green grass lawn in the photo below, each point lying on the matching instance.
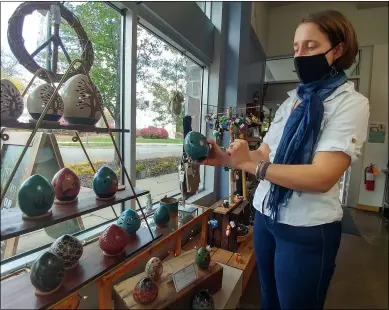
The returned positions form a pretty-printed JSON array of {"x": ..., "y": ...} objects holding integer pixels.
[{"x": 106, "y": 141}]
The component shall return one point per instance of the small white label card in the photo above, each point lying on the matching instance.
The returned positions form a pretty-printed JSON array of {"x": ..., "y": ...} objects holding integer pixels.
[{"x": 184, "y": 277}]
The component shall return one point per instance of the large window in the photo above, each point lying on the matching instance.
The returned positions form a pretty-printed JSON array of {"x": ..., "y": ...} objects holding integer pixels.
[
  {"x": 103, "y": 25},
  {"x": 163, "y": 74}
]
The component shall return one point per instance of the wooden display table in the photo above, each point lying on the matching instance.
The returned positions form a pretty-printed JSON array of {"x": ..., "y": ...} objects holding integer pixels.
[{"x": 168, "y": 297}]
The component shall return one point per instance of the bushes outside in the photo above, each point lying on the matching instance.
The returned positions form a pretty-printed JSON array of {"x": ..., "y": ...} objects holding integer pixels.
[
  {"x": 152, "y": 132},
  {"x": 151, "y": 168}
]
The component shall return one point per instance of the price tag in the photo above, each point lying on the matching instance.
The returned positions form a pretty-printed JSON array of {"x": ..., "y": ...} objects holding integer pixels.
[{"x": 184, "y": 277}]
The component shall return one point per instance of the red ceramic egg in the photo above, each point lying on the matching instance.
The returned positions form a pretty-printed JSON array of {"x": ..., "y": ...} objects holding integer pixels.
[
  {"x": 66, "y": 185},
  {"x": 113, "y": 240},
  {"x": 145, "y": 291}
]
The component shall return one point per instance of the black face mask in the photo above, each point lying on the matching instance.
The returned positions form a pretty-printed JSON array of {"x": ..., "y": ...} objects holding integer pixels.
[{"x": 312, "y": 68}]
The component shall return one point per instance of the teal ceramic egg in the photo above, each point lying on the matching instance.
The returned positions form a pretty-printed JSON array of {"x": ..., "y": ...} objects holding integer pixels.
[
  {"x": 196, "y": 146},
  {"x": 171, "y": 204},
  {"x": 161, "y": 216},
  {"x": 35, "y": 196},
  {"x": 105, "y": 183},
  {"x": 129, "y": 220}
]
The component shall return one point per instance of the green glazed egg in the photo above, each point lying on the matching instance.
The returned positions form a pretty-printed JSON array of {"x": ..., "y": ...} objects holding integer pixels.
[
  {"x": 202, "y": 258},
  {"x": 196, "y": 146},
  {"x": 161, "y": 216},
  {"x": 36, "y": 196}
]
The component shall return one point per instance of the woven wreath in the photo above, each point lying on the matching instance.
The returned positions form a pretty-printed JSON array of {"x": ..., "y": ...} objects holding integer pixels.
[{"x": 16, "y": 41}]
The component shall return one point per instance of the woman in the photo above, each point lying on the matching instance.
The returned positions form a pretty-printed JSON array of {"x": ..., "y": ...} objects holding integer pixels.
[{"x": 315, "y": 135}]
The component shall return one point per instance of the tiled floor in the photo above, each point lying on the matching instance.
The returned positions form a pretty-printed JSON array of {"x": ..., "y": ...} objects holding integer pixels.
[{"x": 361, "y": 276}]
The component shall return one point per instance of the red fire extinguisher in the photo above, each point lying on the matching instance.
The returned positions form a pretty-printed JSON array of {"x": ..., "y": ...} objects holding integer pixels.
[{"x": 369, "y": 177}]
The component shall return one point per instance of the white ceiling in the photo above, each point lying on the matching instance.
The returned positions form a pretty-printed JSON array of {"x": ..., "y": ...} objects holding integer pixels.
[{"x": 361, "y": 5}]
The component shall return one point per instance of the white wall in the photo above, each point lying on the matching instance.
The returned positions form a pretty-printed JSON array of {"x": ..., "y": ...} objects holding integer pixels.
[
  {"x": 377, "y": 153},
  {"x": 260, "y": 22},
  {"x": 371, "y": 25}
]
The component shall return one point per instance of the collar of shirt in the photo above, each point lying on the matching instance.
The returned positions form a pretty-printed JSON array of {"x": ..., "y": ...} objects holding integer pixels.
[{"x": 346, "y": 87}]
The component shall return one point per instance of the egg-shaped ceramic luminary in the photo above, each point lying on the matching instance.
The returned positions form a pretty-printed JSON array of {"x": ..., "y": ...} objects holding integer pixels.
[
  {"x": 145, "y": 291},
  {"x": 196, "y": 146},
  {"x": 11, "y": 101},
  {"x": 161, "y": 216},
  {"x": 171, "y": 204},
  {"x": 66, "y": 185},
  {"x": 129, "y": 220},
  {"x": 202, "y": 258},
  {"x": 82, "y": 101},
  {"x": 38, "y": 100},
  {"x": 154, "y": 268},
  {"x": 105, "y": 183},
  {"x": 113, "y": 240},
  {"x": 69, "y": 249},
  {"x": 47, "y": 273},
  {"x": 203, "y": 300},
  {"x": 36, "y": 196}
]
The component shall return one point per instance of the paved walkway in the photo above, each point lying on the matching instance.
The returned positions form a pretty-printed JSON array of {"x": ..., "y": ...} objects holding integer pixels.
[{"x": 159, "y": 187}]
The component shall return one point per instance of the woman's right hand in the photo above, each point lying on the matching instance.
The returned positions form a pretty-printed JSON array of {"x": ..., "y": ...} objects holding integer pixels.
[{"x": 216, "y": 156}]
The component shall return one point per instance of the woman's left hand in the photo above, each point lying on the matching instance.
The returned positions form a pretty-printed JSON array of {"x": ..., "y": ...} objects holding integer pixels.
[{"x": 240, "y": 154}]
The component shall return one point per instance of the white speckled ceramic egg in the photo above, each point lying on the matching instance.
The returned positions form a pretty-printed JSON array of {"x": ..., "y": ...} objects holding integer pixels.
[
  {"x": 39, "y": 98},
  {"x": 11, "y": 101},
  {"x": 82, "y": 105},
  {"x": 154, "y": 268}
]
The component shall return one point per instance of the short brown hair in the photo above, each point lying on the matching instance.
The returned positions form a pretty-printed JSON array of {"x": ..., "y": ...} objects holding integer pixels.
[{"x": 338, "y": 29}]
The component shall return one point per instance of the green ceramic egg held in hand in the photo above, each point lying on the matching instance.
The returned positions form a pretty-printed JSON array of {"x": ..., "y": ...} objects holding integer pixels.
[
  {"x": 196, "y": 146},
  {"x": 35, "y": 196}
]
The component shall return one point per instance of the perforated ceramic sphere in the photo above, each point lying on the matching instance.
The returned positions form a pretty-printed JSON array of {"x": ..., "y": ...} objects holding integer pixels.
[
  {"x": 35, "y": 196},
  {"x": 203, "y": 300},
  {"x": 145, "y": 291},
  {"x": 11, "y": 101},
  {"x": 154, "y": 268},
  {"x": 69, "y": 249},
  {"x": 105, "y": 183},
  {"x": 47, "y": 273},
  {"x": 129, "y": 220},
  {"x": 161, "y": 216},
  {"x": 113, "y": 240},
  {"x": 196, "y": 146}
]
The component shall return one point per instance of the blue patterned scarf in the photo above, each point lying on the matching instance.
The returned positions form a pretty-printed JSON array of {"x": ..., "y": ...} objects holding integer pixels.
[{"x": 301, "y": 132}]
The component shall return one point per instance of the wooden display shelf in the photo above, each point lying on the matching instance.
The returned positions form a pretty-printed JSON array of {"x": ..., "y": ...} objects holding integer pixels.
[
  {"x": 19, "y": 293},
  {"x": 222, "y": 210},
  {"x": 168, "y": 297},
  {"x": 253, "y": 139},
  {"x": 13, "y": 225},
  {"x": 81, "y": 128}
]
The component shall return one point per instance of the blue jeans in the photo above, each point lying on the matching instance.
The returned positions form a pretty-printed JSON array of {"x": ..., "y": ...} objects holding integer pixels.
[{"x": 295, "y": 264}]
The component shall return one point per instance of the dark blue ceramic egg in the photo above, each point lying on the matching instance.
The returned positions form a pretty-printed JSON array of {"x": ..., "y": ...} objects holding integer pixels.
[
  {"x": 129, "y": 220},
  {"x": 196, "y": 146},
  {"x": 105, "y": 183},
  {"x": 203, "y": 300}
]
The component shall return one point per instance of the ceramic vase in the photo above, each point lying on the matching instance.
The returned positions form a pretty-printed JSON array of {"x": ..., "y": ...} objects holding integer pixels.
[
  {"x": 105, "y": 183},
  {"x": 66, "y": 185},
  {"x": 82, "y": 101},
  {"x": 203, "y": 300},
  {"x": 129, "y": 220},
  {"x": 38, "y": 100},
  {"x": 47, "y": 273},
  {"x": 161, "y": 216},
  {"x": 202, "y": 258},
  {"x": 171, "y": 204},
  {"x": 145, "y": 291},
  {"x": 154, "y": 269},
  {"x": 196, "y": 146},
  {"x": 11, "y": 101},
  {"x": 35, "y": 196},
  {"x": 113, "y": 240},
  {"x": 69, "y": 249}
]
